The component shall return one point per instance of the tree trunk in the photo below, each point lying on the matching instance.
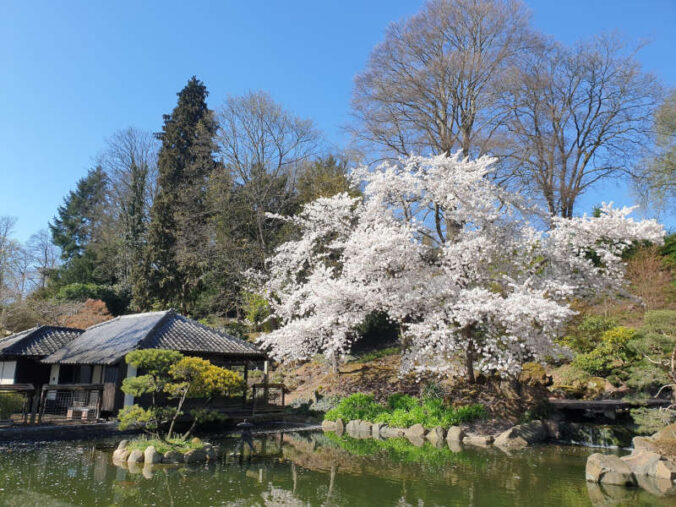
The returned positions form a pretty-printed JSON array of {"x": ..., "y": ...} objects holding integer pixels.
[{"x": 469, "y": 355}]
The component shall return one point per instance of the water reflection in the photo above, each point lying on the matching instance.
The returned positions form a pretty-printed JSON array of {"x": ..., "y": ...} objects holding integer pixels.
[{"x": 311, "y": 469}]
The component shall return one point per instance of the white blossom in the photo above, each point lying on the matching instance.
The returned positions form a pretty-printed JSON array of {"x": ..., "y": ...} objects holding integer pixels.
[{"x": 449, "y": 256}]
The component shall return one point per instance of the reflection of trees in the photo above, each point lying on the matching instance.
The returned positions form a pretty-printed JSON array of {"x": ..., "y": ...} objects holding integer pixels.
[{"x": 303, "y": 469}]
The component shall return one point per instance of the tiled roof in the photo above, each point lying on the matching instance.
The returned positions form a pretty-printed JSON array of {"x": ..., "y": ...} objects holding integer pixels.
[
  {"x": 38, "y": 341},
  {"x": 110, "y": 341}
]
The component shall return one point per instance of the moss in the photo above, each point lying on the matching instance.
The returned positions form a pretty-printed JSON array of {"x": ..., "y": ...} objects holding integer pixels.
[{"x": 164, "y": 446}]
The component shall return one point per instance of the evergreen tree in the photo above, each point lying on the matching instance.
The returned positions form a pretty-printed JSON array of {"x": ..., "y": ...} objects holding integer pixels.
[
  {"x": 175, "y": 261},
  {"x": 79, "y": 218}
]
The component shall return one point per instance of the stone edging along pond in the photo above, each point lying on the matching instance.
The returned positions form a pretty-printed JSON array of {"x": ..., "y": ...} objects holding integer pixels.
[
  {"x": 124, "y": 456},
  {"x": 516, "y": 437},
  {"x": 645, "y": 461}
]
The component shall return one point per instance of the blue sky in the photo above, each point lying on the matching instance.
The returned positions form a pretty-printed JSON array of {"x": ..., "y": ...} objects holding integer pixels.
[{"x": 73, "y": 72}]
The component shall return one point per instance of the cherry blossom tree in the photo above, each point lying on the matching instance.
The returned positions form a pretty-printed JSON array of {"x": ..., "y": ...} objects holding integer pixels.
[{"x": 451, "y": 258}]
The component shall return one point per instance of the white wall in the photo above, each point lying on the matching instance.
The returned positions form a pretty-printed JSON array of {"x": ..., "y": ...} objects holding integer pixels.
[{"x": 128, "y": 398}]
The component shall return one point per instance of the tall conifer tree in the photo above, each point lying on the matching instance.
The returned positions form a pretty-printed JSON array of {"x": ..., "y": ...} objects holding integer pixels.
[{"x": 175, "y": 263}]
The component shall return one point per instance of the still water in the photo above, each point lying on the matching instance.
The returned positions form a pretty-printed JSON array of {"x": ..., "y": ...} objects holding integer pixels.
[{"x": 309, "y": 468}]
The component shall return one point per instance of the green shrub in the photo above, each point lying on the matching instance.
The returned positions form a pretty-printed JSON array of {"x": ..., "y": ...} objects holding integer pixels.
[
  {"x": 403, "y": 411},
  {"x": 651, "y": 420},
  {"x": 10, "y": 403},
  {"x": 587, "y": 334},
  {"x": 612, "y": 351},
  {"x": 356, "y": 406}
]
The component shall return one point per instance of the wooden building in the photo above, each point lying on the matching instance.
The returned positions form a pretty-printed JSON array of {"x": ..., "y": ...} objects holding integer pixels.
[
  {"x": 21, "y": 354},
  {"x": 96, "y": 357}
]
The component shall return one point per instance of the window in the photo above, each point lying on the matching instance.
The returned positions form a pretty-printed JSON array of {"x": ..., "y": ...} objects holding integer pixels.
[{"x": 7, "y": 371}]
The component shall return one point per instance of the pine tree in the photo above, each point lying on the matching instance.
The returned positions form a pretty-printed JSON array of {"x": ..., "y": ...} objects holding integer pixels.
[{"x": 175, "y": 261}]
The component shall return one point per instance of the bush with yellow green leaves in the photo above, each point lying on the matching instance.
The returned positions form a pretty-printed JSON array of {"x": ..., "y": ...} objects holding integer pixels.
[{"x": 168, "y": 378}]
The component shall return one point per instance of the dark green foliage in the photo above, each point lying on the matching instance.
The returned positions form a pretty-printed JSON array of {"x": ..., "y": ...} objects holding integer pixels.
[
  {"x": 403, "y": 411},
  {"x": 10, "y": 403},
  {"x": 79, "y": 218},
  {"x": 376, "y": 332},
  {"x": 653, "y": 351},
  {"x": 377, "y": 354},
  {"x": 177, "y": 258},
  {"x": 651, "y": 420},
  {"x": 324, "y": 177}
]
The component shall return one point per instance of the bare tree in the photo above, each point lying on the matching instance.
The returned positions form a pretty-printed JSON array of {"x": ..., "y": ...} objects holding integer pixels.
[
  {"x": 44, "y": 257},
  {"x": 433, "y": 86},
  {"x": 262, "y": 145},
  {"x": 655, "y": 175},
  {"x": 130, "y": 162},
  {"x": 9, "y": 250},
  {"x": 578, "y": 115}
]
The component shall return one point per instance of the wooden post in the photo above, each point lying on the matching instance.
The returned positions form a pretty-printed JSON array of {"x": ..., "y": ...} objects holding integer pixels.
[
  {"x": 43, "y": 394},
  {"x": 253, "y": 402}
]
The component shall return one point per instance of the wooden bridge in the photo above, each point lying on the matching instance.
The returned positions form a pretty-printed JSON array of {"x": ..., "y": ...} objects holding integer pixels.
[{"x": 608, "y": 408}]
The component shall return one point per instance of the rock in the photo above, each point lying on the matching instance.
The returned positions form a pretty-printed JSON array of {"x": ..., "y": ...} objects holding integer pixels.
[
  {"x": 655, "y": 486},
  {"x": 195, "y": 456},
  {"x": 122, "y": 445},
  {"x": 151, "y": 456},
  {"x": 642, "y": 462},
  {"x": 135, "y": 456},
  {"x": 436, "y": 435},
  {"x": 173, "y": 457},
  {"x": 388, "y": 432},
  {"x": 359, "y": 429},
  {"x": 376, "y": 429},
  {"x": 455, "y": 434},
  {"x": 480, "y": 440},
  {"x": 609, "y": 469},
  {"x": 135, "y": 468},
  {"x": 553, "y": 429},
  {"x": 328, "y": 425},
  {"x": 666, "y": 433},
  {"x": 644, "y": 444},
  {"x": 415, "y": 431},
  {"x": 454, "y": 445},
  {"x": 196, "y": 440},
  {"x": 665, "y": 470},
  {"x": 340, "y": 427},
  {"x": 211, "y": 452},
  {"x": 147, "y": 471},
  {"x": 522, "y": 435},
  {"x": 120, "y": 456},
  {"x": 416, "y": 440}
]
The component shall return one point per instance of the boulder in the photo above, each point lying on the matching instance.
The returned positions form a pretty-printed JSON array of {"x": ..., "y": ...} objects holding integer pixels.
[
  {"x": 328, "y": 425},
  {"x": 173, "y": 457},
  {"x": 665, "y": 470},
  {"x": 340, "y": 427},
  {"x": 211, "y": 452},
  {"x": 122, "y": 445},
  {"x": 196, "y": 440},
  {"x": 195, "y": 456},
  {"x": 553, "y": 429},
  {"x": 666, "y": 433},
  {"x": 135, "y": 456},
  {"x": 365, "y": 427},
  {"x": 436, "y": 435},
  {"x": 376, "y": 429},
  {"x": 416, "y": 440},
  {"x": 388, "y": 432},
  {"x": 151, "y": 456},
  {"x": 454, "y": 445},
  {"x": 120, "y": 456},
  {"x": 644, "y": 444},
  {"x": 609, "y": 469},
  {"x": 415, "y": 431},
  {"x": 479, "y": 440},
  {"x": 642, "y": 462},
  {"x": 455, "y": 434},
  {"x": 352, "y": 426},
  {"x": 522, "y": 435}
]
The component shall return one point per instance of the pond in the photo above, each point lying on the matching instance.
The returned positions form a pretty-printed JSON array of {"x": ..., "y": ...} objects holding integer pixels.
[{"x": 309, "y": 468}]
